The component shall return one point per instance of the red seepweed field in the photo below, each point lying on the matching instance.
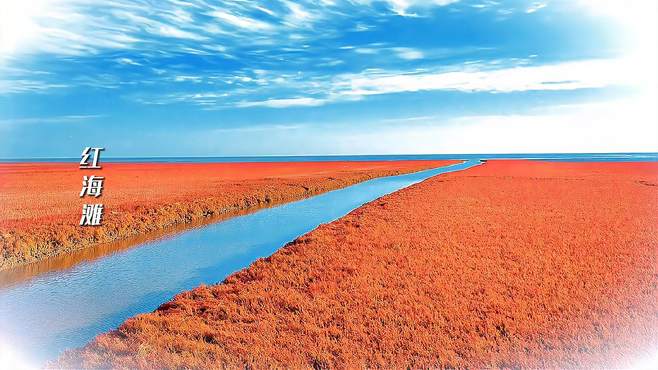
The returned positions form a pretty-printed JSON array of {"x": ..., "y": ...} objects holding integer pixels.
[
  {"x": 40, "y": 206},
  {"x": 509, "y": 264}
]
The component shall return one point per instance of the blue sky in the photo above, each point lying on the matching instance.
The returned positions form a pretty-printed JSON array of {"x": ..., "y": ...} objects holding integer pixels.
[{"x": 198, "y": 78}]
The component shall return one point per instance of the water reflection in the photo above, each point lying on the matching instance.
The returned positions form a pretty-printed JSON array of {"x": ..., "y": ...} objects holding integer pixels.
[{"x": 76, "y": 298}]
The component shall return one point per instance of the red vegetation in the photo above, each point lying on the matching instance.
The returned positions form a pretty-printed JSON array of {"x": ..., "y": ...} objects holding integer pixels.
[
  {"x": 40, "y": 208},
  {"x": 513, "y": 263}
]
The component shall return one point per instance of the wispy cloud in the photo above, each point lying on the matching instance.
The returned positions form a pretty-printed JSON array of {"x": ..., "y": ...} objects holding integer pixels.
[
  {"x": 195, "y": 79},
  {"x": 298, "y": 15},
  {"x": 410, "y": 119},
  {"x": 51, "y": 119},
  {"x": 12, "y": 86},
  {"x": 498, "y": 77},
  {"x": 171, "y": 31},
  {"x": 535, "y": 6},
  {"x": 378, "y": 59},
  {"x": 86, "y": 27},
  {"x": 281, "y": 34},
  {"x": 259, "y": 128},
  {"x": 277, "y": 54},
  {"x": 128, "y": 61},
  {"x": 410, "y": 8},
  {"x": 560, "y": 76},
  {"x": 284, "y": 103},
  {"x": 247, "y": 23},
  {"x": 408, "y": 53}
]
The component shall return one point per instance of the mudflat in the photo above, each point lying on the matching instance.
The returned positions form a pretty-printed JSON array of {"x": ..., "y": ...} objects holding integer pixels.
[
  {"x": 40, "y": 207},
  {"x": 512, "y": 263}
]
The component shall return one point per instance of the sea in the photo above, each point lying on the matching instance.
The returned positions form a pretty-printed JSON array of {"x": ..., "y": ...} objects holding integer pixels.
[{"x": 562, "y": 157}]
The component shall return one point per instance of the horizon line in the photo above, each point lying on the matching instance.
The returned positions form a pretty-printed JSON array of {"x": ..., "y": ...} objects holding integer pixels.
[{"x": 334, "y": 155}]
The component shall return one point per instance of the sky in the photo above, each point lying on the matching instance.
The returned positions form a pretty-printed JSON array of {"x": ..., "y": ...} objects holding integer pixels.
[{"x": 238, "y": 78}]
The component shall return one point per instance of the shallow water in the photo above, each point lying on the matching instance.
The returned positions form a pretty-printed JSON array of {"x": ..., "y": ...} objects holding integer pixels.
[{"x": 42, "y": 315}]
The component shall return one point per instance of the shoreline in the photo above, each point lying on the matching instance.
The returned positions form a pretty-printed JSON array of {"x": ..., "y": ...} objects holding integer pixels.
[
  {"x": 15, "y": 275},
  {"x": 241, "y": 187},
  {"x": 506, "y": 272}
]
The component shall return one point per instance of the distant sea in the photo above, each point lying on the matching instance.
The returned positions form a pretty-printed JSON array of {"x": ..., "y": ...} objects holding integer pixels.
[{"x": 563, "y": 157}]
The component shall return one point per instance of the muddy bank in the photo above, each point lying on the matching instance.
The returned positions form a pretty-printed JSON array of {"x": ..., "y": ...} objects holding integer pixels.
[
  {"x": 513, "y": 263},
  {"x": 40, "y": 208}
]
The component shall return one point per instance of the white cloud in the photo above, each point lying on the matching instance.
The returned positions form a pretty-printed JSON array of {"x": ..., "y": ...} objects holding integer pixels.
[
  {"x": 62, "y": 27},
  {"x": 409, "y": 53},
  {"x": 610, "y": 126},
  {"x": 366, "y": 51},
  {"x": 54, "y": 119},
  {"x": 362, "y": 27},
  {"x": 283, "y": 103},
  {"x": 128, "y": 61},
  {"x": 537, "y": 5},
  {"x": 331, "y": 63},
  {"x": 16, "y": 25},
  {"x": 182, "y": 78},
  {"x": 260, "y": 128},
  {"x": 87, "y": 27},
  {"x": 178, "y": 16},
  {"x": 171, "y": 31},
  {"x": 404, "y": 53},
  {"x": 634, "y": 23},
  {"x": 402, "y": 7},
  {"x": 298, "y": 16},
  {"x": 561, "y": 76},
  {"x": 409, "y": 119},
  {"x": 265, "y": 10},
  {"x": 605, "y": 126},
  {"x": 586, "y": 127},
  {"x": 241, "y": 21},
  {"x": 485, "y": 4},
  {"x": 10, "y": 86},
  {"x": 598, "y": 73}
]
